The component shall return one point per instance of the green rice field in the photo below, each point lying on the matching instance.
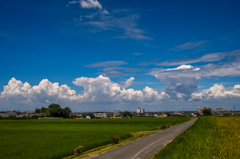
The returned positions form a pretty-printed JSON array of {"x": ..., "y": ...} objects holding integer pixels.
[
  {"x": 208, "y": 138},
  {"x": 56, "y": 138}
]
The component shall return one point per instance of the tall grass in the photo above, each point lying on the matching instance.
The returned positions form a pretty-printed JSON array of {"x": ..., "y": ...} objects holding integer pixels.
[
  {"x": 57, "y": 138},
  {"x": 229, "y": 128},
  {"x": 210, "y": 137}
]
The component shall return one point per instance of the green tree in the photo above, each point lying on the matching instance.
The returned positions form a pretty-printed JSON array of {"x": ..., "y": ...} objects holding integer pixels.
[
  {"x": 34, "y": 117},
  {"x": 127, "y": 113},
  {"x": 206, "y": 112},
  {"x": 47, "y": 113},
  {"x": 37, "y": 110},
  {"x": 66, "y": 112},
  {"x": 13, "y": 118},
  {"x": 55, "y": 110},
  {"x": 43, "y": 109}
]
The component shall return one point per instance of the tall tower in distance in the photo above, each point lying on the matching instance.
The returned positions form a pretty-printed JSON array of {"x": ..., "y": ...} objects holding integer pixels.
[{"x": 234, "y": 108}]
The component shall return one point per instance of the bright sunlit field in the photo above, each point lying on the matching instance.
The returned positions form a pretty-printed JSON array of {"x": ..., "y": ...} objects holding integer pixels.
[
  {"x": 210, "y": 137},
  {"x": 57, "y": 138}
]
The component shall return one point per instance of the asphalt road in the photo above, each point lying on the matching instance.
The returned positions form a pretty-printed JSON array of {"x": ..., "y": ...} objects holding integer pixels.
[{"x": 147, "y": 146}]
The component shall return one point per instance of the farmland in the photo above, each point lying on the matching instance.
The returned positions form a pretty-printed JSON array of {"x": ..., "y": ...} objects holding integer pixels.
[
  {"x": 57, "y": 138},
  {"x": 209, "y": 137}
]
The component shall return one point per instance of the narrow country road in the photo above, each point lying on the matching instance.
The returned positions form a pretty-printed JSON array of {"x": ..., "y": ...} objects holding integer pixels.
[{"x": 146, "y": 147}]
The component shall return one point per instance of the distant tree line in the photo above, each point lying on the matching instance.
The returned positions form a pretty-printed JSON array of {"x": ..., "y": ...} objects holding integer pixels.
[
  {"x": 127, "y": 114},
  {"x": 206, "y": 112},
  {"x": 19, "y": 118},
  {"x": 55, "y": 110}
]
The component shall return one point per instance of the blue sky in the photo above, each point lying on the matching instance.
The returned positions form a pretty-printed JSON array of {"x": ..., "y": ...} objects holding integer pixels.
[{"x": 100, "y": 54}]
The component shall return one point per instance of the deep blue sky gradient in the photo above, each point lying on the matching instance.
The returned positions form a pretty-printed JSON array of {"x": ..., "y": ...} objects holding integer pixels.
[{"x": 40, "y": 39}]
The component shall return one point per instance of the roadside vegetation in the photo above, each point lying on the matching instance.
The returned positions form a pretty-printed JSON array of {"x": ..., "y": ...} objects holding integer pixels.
[
  {"x": 210, "y": 137},
  {"x": 57, "y": 138}
]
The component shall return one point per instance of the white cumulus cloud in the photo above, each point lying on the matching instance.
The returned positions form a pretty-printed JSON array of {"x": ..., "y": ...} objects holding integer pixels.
[
  {"x": 90, "y": 4},
  {"x": 16, "y": 90},
  {"x": 131, "y": 95},
  {"x": 217, "y": 92},
  {"x": 182, "y": 81},
  {"x": 103, "y": 89},
  {"x": 182, "y": 67},
  {"x": 96, "y": 90},
  {"x": 44, "y": 92},
  {"x": 99, "y": 88},
  {"x": 128, "y": 82}
]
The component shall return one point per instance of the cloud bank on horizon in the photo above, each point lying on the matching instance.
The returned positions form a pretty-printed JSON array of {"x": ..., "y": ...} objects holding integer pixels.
[
  {"x": 102, "y": 90},
  {"x": 182, "y": 85},
  {"x": 99, "y": 89}
]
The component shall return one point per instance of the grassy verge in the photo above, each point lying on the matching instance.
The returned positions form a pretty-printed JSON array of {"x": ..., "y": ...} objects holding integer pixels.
[
  {"x": 229, "y": 128},
  {"x": 103, "y": 149},
  {"x": 209, "y": 137},
  {"x": 57, "y": 138}
]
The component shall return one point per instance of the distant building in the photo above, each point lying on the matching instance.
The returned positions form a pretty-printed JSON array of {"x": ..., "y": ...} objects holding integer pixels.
[
  {"x": 222, "y": 110},
  {"x": 205, "y": 108},
  {"x": 147, "y": 114},
  {"x": 199, "y": 110},
  {"x": 11, "y": 113},
  {"x": 116, "y": 113},
  {"x": 159, "y": 115},
  {"x": 4, "y": 114},
  {"x": 21, "y": 115},
  {"x": 140, "y": 112},
  {"x": 219, "y": 109},
  {"x": 109, "y": 115},
  {"x": 100, "y": 115},
  {"x": 73, "y": 115},
  {"x": 90, "y": 116},
  {"x": 79, "y": 115},
  {"x": 176, "y": 113}
]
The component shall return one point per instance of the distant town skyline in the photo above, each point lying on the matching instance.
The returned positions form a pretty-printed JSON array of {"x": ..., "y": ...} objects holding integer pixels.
[{"x": 103, "y": 55}]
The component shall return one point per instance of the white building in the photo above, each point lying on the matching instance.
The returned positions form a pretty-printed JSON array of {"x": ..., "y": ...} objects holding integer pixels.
[
  {"x": 4, "y": 115},
  {"x": 140, "y": 111},
  {"x": 117, "y": 113},
  {"x": 100, "y": 115}
]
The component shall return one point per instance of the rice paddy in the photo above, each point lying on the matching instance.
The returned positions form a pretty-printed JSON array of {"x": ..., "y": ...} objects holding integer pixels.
[{"x": 56, "y": 138}]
